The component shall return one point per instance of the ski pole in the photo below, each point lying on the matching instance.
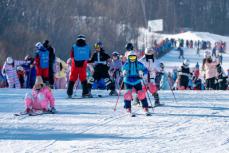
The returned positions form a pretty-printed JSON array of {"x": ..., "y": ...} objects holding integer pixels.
[
  {"x": 147, "y": 93},
  {"x": 76, "y": 87},
  {"x": 172, "y": 92},
  {"x": 118, "y": 95}
]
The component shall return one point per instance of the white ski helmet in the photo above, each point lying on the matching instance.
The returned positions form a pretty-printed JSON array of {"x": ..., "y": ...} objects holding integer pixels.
[
  {"x": 149, "y": 51},
  {"x": 207, "y": 54},
  {"x": 20, "y": 68},
  {"x": 186, "y": 62},
  {"x": 9, "y": 60},
  {"x": 39, "y": 45},
  {"x": 132, "y": 56}
]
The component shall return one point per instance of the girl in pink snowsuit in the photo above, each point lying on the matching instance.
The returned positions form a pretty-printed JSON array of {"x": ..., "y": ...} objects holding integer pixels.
[{"x": 41, "y": 98}]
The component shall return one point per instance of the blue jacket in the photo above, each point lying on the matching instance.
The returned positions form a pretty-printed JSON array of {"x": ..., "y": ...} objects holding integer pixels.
[{"x": 132, "y": 69}]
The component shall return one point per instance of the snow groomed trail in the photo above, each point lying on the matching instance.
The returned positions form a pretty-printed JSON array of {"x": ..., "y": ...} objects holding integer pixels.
[{"x": 198, "y": 122}]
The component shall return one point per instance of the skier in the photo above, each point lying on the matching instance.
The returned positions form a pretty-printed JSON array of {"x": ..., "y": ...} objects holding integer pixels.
[
  {"x": 80, "y": 54},
  {"x": 21, "y": 75},
  {"x": 221, "y": 78},
  {"x": 181, "y": 51},
  {"x": 52, "y": 57},
  {"x": 152, "y": 66},
  {"x": 197, "y": 82},
  {"x": 164, "y": 83},
  {"x": 41, "y": 98},
  {"x": 100, "y": 60},
  {"x": 210, "y": 73},
  {"x": 30, "y": 72},
  {"x": 184, "y": 75},
  {"x": 9, "y": 70},
  {"x": 133, "y": 72},
  {"x": 115, "y": 69},
  {"x": 42, "y": 62}
]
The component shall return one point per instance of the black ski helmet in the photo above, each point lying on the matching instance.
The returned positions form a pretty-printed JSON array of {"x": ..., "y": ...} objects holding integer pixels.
[
  {"x": 81, "y": 37},
  {"x": 115, "y": 53},
  {"x": 129, "y": 46}
]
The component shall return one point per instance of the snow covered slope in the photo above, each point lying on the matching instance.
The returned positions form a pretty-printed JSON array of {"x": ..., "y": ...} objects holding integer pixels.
[
  {"x": 198, "y": 122},
  {"x": 206, "y": 36},
  {"x": 171, "y": 59}
]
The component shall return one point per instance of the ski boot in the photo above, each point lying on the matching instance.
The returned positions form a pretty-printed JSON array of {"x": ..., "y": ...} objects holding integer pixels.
[
  {"x": 28, "y": 110},
  {"x": 52, "y": 110},
  {"x": 87, "y": 95},
  {"x": 146, "y": 111},
  {"x": 128, "y": 110},
  {"x": 113, "y": 93}
]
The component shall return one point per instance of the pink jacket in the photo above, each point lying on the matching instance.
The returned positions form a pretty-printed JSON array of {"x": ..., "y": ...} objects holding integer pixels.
[
  {"x": 210, "y": 70},
  {"x": 41, "y": 99}
]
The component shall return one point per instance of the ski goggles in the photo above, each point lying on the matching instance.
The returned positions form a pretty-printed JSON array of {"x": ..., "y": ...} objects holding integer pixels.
[
  {"x": 132, "y": 58},
  {"x": 97, "y": 46}
]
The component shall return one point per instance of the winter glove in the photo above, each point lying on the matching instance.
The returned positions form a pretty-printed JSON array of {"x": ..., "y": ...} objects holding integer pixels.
[
  {"x": 141, "y": 74},
  {"x": 53, "y": 110},
  {"x": 124, "y": 73}
]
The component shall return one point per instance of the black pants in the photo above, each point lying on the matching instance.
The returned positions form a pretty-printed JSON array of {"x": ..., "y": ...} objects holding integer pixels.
[{"x": 210, "y": 83}]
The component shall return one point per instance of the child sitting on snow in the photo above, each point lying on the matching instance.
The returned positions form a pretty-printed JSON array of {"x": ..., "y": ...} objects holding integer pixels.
[{"x": 41, "y": 98}]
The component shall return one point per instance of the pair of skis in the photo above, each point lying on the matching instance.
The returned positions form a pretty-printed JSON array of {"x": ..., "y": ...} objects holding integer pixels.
[
  {"x": 34, "y": 113},
  {"x": 87, "y": 97},
  {"x": 135, "y": 115},
  {"x": 146, "y": 113}
]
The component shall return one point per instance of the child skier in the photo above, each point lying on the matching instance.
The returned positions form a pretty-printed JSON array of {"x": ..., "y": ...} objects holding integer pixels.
[
  {"x": 42, "y": 62},
  {"x": 184, "y": 75},
  {"x": 21, "y": 75},
  {"x": 152, "y": 66},
  {"x": 115, "y": 69},
  {"x": 164, "y": 83},
  {"x": 100, "y": 60},
  {"x": 133, "y": 72},
  {"x": 60, "y": 74},
  {"x": 9, "y": 70},
  {"x": 41, "y": 98}
]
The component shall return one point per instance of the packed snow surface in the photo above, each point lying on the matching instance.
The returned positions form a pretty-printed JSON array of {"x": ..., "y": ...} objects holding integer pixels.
[{"x": 196, "y": 122}]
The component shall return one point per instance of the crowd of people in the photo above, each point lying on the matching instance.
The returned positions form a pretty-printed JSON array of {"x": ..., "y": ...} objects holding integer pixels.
[{"x": 97, "y": 70}]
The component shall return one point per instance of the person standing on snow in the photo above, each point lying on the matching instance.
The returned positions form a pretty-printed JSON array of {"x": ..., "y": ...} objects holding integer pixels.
[
  {"x": 152, "y": 66},
  {"x": 52, "y": 58},
  {"x": 164, "y": 83},
  {"x": 181, "y": 51},
  {"x": 100, "y": 60},
  {"x": 9, "y": 70},
  {"x": 30, "y": 71},
  {"x": 80, "y": 54},
  {"x": 184, "y": 75},
  {"x": 42, "y": 62},
  {"x": 41, "y": 98},
  {"x": 211, "y": 73},
  {"x": 133, "y": 72},
  {"x": 115, "y": 68},
  {"x": 60, "y": 74}
]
